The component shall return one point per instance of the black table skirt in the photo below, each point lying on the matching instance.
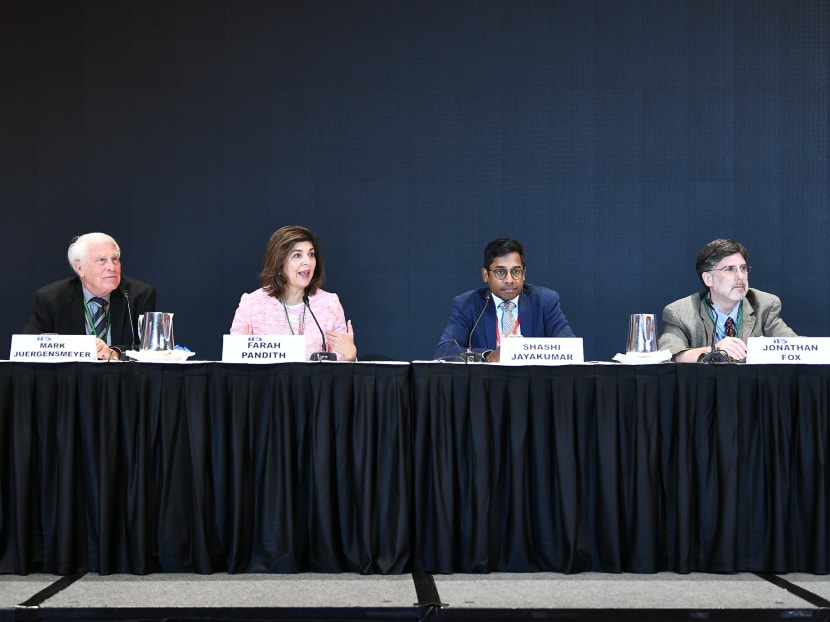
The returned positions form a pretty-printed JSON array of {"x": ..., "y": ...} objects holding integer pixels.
[
  {"x": 377, "y": 468},
  {"x": 139, "y": 468},
  {"x": 622, "y": 469}
]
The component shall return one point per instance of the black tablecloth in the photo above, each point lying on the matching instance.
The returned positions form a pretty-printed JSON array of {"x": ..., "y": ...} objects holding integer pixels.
[
  {"x": 387, "y": 468},
  {"x": 142, "y": 468},
  {"x": 621, "y": 468}
]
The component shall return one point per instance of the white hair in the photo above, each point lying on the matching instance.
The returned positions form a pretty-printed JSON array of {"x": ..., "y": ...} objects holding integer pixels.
[{"x": 80, "y": 245}]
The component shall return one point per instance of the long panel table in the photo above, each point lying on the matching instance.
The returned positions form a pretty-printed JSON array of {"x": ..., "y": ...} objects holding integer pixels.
[
  {"x": 612, "y": 468},
  {"x": 388, "y": 468},
  {"x": 204, "y": 467}
]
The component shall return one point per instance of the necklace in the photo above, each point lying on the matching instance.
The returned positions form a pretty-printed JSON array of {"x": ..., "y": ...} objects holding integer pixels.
[{"x": 302, "y": 320}]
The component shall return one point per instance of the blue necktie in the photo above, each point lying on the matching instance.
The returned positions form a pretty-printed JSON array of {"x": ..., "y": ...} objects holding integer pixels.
[{"x": 99, "y": 318}]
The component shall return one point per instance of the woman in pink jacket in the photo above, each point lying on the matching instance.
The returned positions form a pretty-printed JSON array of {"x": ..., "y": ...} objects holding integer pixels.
[{"x": 291, "y": 279}]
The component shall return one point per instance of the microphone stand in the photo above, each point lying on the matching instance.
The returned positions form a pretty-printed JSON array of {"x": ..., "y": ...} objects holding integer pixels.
[
  {"x": 324, "y": 355},
  {"x": 469, "y": 356},
  {"x": 714, "y": 356},
  {"x": 129, "y": 318}
]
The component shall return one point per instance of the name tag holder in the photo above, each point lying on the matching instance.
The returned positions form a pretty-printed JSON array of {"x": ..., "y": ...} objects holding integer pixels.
[
  {"x": 541, "y": 351},
  {"x": 51, "y": 348},
  {"x": 263, "y": 348},
  {"x": 788, "y": 350}
]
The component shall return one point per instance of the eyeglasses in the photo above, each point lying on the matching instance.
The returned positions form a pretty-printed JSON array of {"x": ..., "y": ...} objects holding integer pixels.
[
  {"x": 731, "y": 270},
  {"x": 501, "y": 273}
]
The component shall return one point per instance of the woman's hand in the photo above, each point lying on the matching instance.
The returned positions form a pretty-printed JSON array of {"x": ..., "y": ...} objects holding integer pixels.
[{"x": 343, "y": 343}]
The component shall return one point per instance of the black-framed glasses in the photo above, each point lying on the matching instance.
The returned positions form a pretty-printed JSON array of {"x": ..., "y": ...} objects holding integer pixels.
[
  {"x": 731, "y": 270},
  {"x": 501, "y": 273}
]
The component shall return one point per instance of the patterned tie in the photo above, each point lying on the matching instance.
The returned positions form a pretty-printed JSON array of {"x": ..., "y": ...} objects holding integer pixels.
[
  {"x": 99, "y": 318},
  {"x": 508, "y": 320},
  {"x": 729, "y": 328}
]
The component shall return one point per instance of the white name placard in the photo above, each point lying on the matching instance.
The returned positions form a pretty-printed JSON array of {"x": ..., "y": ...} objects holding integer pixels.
[
  {"x": 263, "y": 348},
  {"x": 48, "y": 348},
  {"x": 804, "y": 350},
  {"x": 541, "y": 351}
]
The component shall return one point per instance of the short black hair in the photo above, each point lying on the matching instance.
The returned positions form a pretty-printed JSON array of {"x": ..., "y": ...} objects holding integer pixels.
[{"x": 501, "y": 247}]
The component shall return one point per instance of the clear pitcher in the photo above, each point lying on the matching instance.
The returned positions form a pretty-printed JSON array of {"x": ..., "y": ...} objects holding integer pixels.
[
  {"x": 156, "y": 331},
  {"x": 642, "y": 333}
]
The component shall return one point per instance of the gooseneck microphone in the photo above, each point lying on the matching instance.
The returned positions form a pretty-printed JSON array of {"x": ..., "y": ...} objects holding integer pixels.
[
  {"x": 129, "y": 318},
  {"x": 469, "y": 355},
  {"x": 714, "y": 355},
  {"x": 325, "y": 355}
]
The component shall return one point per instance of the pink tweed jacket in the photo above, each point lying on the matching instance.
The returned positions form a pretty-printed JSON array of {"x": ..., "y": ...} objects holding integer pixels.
[{"x": 261, "y": 314}]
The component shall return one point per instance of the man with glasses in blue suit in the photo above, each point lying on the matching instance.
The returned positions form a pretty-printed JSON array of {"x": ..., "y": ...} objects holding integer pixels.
[
  {"x": 507, "y": 306},
  {"x": 726, "y": 313}
]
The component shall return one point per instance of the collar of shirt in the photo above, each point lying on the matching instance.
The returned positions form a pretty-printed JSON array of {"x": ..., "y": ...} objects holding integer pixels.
[
  {"x": 720, "y": 318},
  {"x": 88, "y": 294}
]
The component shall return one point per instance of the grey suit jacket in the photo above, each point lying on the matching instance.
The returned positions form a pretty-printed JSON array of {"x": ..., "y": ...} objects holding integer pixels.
[{"x": 687, "y": 324}]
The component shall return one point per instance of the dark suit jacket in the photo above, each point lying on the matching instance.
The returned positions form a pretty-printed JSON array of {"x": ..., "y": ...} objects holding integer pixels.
[
  {"x": 539, "y": 315},
  {"x": 59, "y": 308}
]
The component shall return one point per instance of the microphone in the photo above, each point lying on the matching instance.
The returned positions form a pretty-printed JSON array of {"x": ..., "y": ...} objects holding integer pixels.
[
  {"x": 469, "y": 355},
  {"x": 325, "y": 355},
  {"x": 129, "y": 319},
  {"x": 715, "y": 355},
  {"x": 447, "y": 350}
]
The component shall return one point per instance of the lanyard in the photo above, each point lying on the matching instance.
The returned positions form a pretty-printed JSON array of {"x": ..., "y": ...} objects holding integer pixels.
[
  {"x": 512, "y": 333},
  {"x": 721, "y": 327},
  {"x": 302, "y": 321}
]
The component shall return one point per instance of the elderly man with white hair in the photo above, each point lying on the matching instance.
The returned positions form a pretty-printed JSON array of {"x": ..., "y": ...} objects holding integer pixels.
[{"x": 98, "y": 300}]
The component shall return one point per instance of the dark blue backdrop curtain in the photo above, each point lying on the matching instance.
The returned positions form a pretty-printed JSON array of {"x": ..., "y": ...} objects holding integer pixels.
[{"x": 613, "y": 138}]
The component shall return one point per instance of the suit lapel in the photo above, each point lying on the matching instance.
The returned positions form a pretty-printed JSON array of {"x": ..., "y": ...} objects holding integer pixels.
[
  {"x": 75, "y": 321},
  {"x": 707, "y": 323},
  {"x": 489, "y": 321},
  {"x": 117, "y": 318},
  {"x": 748, "y": 319},
  {"x": 526, "y": 315}
]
